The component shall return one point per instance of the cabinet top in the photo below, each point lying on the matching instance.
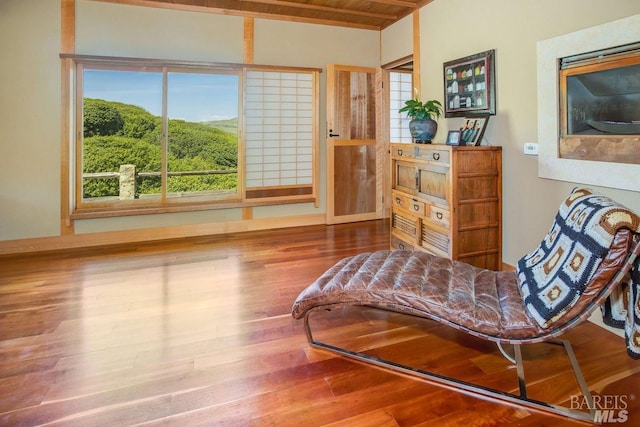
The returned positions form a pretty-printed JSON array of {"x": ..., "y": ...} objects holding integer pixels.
[{"x": 413, "y": 146}]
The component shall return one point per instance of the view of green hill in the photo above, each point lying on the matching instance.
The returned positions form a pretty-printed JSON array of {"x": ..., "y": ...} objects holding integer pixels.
[
  {"x": 229, "y": 126},
  {"x": 116, "y": 134}
]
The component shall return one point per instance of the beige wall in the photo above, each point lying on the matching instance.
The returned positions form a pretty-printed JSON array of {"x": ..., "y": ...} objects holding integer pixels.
[
  {"x": 29, "y": 119},
  {"x": 134, "y": 31},
  {"x": 452, "y": 29},
  {"x": 397, "y": 40}
]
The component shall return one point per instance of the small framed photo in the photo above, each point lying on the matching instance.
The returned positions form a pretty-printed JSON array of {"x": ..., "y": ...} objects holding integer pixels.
[
  {"x": 453, "y": 137},
  {"x": 472, "y": 129}
]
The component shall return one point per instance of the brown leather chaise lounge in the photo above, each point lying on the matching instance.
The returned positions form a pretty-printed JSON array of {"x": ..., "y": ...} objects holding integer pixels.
[{"x": 588, "y": 260}]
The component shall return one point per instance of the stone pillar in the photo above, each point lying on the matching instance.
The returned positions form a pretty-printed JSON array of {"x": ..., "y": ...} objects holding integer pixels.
[{"x": 127, "y": 182}]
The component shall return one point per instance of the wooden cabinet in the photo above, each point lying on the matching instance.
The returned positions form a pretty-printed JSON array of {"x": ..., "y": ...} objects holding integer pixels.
[{"x": 447, "y": 200}]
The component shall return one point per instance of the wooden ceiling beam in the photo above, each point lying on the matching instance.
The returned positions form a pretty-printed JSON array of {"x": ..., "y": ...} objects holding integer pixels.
[
  {"x": 290, "y": 10},
  {"x": 288, "y": 3},
  {"x": 408, "y": 4}
]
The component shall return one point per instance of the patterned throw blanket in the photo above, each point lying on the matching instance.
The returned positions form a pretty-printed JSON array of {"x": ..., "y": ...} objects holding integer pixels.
[
  {"x": 554, "y": 276},
  {"x": 622, "y": 310}
]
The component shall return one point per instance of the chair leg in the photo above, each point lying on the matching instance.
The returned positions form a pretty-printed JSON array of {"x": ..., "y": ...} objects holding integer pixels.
[
  {"x": 522, "y": 383},
  {"x": 471, "y": 389},
  {"x": 516, "y": 359},
  {"x": 579, "y": 377}
]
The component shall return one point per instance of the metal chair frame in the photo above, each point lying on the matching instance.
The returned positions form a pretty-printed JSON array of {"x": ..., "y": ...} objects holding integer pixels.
[
  {"x": 469, "y": 388},
  {"x": 522, "y": 399}
]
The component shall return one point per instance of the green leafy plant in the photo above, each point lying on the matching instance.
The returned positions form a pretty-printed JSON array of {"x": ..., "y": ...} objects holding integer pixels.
[{"x": 418, "y": 110}]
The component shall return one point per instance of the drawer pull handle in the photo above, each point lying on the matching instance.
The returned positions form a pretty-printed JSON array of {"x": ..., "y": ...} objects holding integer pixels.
[
  {"x": 416, "y": 207},
  {"x": 400, "y": 152},
  {"x": 398, "y": 200},
  {"x": 436, "y": 156},
  {"x": 400, "y": 246},
  {"x": 439, "y": 215}
]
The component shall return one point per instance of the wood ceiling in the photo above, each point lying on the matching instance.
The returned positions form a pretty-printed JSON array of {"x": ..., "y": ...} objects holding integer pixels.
[{"x": 363, "y": 14}]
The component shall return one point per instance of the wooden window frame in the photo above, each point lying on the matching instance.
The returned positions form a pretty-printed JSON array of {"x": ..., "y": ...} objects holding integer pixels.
[{"x": 268, "y": 195}]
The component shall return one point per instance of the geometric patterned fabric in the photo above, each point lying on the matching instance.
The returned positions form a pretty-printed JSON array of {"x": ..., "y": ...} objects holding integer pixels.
[
  {"x": 554, "y": 275},
  {"x": 632, "y": 326},
  {"x": 622, "y": 310}
]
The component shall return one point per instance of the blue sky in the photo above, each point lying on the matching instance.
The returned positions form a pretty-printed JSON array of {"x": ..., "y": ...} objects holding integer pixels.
[{"x": 192, "y": 97}]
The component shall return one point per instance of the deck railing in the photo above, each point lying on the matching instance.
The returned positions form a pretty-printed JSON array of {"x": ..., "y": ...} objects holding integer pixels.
[{"x": 127, "y": 176}]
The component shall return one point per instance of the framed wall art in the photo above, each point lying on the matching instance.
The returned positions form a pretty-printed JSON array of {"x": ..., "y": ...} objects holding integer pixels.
[{"x": 469, "y": 85}]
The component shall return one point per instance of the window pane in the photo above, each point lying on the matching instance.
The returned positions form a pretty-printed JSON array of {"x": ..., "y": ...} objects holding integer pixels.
[
  {"x": 400, "y": 90},
  {"x": 279, "y": 129},
  {"x": 203, "y": 134},
  {"x": 122, "y": 132}
]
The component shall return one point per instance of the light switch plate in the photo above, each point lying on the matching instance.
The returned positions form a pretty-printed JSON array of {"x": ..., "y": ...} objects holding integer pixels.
[{"x": 531, "y": 148}]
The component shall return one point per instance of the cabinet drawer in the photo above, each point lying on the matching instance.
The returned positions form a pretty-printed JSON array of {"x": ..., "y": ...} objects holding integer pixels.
[
  {"x": 434, "y": 240},
  {"x": 407, "y": 225},
  {"x": 433, "y": 155},
  {"x": 409, "y": 204},
  {"x": 407, "y": 152},
  {"x": 398, "y": 243},
  {"x": 439, "y": 216}
]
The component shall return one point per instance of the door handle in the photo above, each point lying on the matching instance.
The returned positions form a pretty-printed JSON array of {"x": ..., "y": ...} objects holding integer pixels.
[{"x": 331, "y": 135}]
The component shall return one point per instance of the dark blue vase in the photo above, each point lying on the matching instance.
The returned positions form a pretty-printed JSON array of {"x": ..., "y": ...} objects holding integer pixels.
[{"x": 423, "y": 131}]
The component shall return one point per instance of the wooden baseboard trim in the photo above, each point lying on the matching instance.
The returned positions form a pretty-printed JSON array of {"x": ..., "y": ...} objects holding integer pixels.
[
  {"x": 92, "y": 240},
  {"x": 508, "y": 267}
]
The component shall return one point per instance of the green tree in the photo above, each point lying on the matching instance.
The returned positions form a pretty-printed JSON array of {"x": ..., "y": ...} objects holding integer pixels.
[
  {"x": 138, "y": 122},
  {"x": 101, "y": 118},
  {"x": 188, "y": 140}
]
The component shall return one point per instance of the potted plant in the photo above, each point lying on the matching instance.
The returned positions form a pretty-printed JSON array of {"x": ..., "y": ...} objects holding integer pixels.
[{"x": 422, "y": 126}]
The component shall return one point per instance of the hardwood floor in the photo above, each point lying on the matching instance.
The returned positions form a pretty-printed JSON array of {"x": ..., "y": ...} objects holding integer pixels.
[{"x": 199, "y": 332}]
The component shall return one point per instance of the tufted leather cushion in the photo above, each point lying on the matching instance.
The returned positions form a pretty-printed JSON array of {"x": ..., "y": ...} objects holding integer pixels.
[{"x": 481, "y": 302}]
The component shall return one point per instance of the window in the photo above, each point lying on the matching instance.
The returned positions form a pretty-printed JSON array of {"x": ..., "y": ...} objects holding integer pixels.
[
  {"x": 202, "y": 143},
  {"x": 158, "y": 134},
  {"x": 162, "y": 136},
  {"x": 279, "y": 133},
  {"x": 400, "y": 90}
]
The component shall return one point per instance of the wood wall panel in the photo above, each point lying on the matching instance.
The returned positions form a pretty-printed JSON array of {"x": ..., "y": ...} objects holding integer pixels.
[
  {"x": 342, "y": 99},
  {"x": 363, "y": 102},
  {"x": 616, "y": 149},
  {"x": 355, "y": 171}
]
